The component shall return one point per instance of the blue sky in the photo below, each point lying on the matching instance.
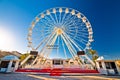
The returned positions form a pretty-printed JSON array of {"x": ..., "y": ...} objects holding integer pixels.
[{"x": 104, "y": 16}]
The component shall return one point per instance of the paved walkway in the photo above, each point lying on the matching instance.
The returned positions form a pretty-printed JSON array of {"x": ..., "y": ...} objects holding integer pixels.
[{"x": 33, "y": 76}]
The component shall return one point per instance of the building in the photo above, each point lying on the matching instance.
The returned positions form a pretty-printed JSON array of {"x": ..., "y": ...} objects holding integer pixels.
[
  {"x": 108, "y": 66},
  {"x": 9, "y": 63}
]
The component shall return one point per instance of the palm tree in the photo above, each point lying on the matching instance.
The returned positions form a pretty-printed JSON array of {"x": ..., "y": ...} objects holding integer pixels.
[
  {"x": 93, "y": 54},
  {"x": 23, "y": 56}
]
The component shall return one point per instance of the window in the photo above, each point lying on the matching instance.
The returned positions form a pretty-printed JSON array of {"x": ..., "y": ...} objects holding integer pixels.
[
  {"x": 67, "y": 61},
  {"x": 71, "y": 63},
  {"x": 4, "y": 64},
  {"x": 13, "y": 64},
  {"x": 110, "y": 65},
  {"x": 57, "y": 62},
  {"x": 100, "y": 64}
]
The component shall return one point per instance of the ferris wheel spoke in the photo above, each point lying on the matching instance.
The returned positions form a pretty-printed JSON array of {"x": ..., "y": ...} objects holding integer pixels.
[
  {"x": 60, "y": 18},
  {"x": 72, "y": 30},
  {"x": 83, "y": 41},
  {"x": 41, "y": 51},
  {"x": 43, "y": 41},
  {"x": 47, "y": 33},
  {"x": 36, "y": 32},
  {"x": 63, "y": 18},
  {"x": 52, "y": 43},
  {"x": 72, "y": 27},
  {"x": 84, "y": 30},
  {"x": 48, "y": 53},
  {"x": 74, "y": 43},
  {"x": 81, "y": 33},
  {"x": 66, "y": 19},
  {"x": 41, "y": 31},
  {"x": 56, "y": 18},
  {"x": 38, "y": 37},
  {"x": 68, "y": 46},
  {"x": 83, "y": 36},
  {"x": 49, "y": 21},
  {"x": 75, "y": 39},
  {"x": 79, "y": 48},
  {"x": 52, "y": 19},
  {"x": 73, "y": 24},
  {"x": 49, "y": 39},
  {"x": 53, "y": 40},
  {"x": 42, "y": 24},
  {"x": 64, "y": 48},
  {"x": 72, "y": 50},
  {"x": 45, "y": 23},
  {"x": 69, "y": 33},
  {"x": 70, "y": 21},
  {"x": 58, "y": 46}
]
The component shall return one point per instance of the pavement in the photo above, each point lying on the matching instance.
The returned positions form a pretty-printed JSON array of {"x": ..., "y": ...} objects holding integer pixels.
[{"x": 37, "y": 76}]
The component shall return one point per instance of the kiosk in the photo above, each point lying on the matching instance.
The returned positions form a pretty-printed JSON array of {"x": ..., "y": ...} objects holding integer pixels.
[{"x": 9, "y": 63}]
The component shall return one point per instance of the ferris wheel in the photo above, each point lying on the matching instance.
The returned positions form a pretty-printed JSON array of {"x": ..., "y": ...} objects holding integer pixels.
[{"x": 60, "y": 30}]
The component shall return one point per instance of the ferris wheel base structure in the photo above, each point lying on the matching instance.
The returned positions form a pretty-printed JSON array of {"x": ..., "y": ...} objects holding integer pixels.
[{"x": 43, "y": 63}]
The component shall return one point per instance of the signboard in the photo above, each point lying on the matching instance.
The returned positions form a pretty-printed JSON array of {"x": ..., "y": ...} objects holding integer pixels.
[
  {"x": 33, "y": 52},
  {"x": 80, "y": 53}
]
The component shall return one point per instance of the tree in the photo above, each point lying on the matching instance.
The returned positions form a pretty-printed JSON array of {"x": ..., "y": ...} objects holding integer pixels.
[
  {"x": 23, "y": 56},
  {"x": 93, "y": 54}
]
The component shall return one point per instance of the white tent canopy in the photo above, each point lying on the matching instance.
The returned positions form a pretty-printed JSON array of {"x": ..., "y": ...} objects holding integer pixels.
[{"x": 10, "y": 57}]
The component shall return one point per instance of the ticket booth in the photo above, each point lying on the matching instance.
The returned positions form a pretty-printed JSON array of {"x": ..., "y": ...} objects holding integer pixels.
[{"x": 9, "y": 63}]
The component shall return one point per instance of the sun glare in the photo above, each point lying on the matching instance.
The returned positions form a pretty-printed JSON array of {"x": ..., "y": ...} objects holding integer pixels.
[{"x": 6, "y": 40}]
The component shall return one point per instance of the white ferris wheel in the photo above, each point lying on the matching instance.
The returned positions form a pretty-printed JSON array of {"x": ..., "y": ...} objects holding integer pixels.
[{"x": 60, "y": 31}]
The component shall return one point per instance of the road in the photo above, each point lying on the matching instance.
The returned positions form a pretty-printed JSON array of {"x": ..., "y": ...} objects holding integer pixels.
[{"x": 33, "y": 76}]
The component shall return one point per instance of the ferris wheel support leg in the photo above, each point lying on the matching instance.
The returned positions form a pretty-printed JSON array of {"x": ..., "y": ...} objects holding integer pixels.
[
  {"x": 52, "y": 43},
  {"x": 89, "y": 60},
  {"x": 80, "y": 61},
  {"x": 44, "y": 49},
  {"x": 25, "y": 60},
  {"x": 40, "y": 60},
  {"x": 68, "y": 46},
  {"x": 34, "y": 60}
]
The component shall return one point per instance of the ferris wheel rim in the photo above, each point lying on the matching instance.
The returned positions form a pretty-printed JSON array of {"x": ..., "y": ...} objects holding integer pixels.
[{"x": 91, "y": 32}]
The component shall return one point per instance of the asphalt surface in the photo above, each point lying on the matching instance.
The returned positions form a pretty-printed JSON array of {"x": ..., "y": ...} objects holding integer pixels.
[{"x": 36, "y": 76}]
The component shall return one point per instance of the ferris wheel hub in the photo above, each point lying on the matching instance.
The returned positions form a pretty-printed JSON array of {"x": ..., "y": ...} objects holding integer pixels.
[{"x": 59, "y": 31}]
